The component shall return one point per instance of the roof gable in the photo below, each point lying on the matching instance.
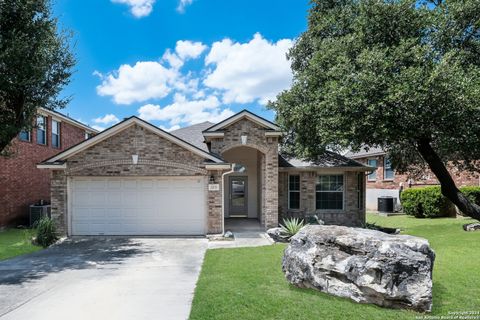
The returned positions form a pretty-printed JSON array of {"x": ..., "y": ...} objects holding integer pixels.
[
  {"x": 244, "y": 114},
  {"x": 119, "y": 128}
]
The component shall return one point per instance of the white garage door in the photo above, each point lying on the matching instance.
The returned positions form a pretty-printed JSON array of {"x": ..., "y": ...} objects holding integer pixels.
[{"x": 138, "y": 206}]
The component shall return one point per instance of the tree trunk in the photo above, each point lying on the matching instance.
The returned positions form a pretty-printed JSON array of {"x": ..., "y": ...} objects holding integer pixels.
[{"x": 448, "y": 187}]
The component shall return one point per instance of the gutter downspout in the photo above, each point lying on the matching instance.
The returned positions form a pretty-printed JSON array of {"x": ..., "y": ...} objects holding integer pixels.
[{"x": 232, "y": 170}]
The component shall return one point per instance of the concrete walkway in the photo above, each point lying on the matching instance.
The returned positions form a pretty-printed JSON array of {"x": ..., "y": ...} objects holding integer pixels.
[
  {"x": 247, "y": 232},
  {"x": 110, "y": 278}
]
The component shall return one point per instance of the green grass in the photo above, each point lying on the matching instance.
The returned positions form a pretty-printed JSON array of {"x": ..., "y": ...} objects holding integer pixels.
[
  {"x": 15, "y": 242},
  {"x": 248, "y": 283}
]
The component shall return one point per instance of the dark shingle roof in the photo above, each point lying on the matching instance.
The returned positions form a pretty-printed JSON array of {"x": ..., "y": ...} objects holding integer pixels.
[
  {"x": 327, "y": 160},
  {"x": 193, "y": 134},
  {"x": 372, "y": 151}
]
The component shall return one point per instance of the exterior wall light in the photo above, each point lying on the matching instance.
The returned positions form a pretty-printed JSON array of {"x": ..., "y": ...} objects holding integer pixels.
[
  {"x": 244, "y": 139},
  {"x": 135, "y": 158}
]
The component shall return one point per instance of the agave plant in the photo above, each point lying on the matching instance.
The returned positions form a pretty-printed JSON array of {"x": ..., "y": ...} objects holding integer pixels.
[{"x": 291, "y": 226}]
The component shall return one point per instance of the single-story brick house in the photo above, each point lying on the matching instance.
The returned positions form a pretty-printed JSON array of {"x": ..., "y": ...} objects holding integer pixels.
[
  {"x": 385, "y": 181},
  {"x": 136, "y": 179}
]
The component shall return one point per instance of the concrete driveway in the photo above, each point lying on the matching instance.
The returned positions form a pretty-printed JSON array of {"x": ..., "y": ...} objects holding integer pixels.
[{"x": 103, "y": 278}]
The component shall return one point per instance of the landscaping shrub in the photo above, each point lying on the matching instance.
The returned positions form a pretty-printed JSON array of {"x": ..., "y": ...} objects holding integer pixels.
[
  {"x": 472, "y": 193},
  {"x": 426, "y": 202},
  {"x": 46, "y": 232},
  {"x": 291, "y": 226}
]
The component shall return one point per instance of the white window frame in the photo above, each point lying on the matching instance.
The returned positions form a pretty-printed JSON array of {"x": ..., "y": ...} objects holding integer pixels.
[
  {"x": 343, "y": 191},
  {"x": 44, "y": 129},
  {"x": 369, "y": 177},
  {"x": 297, "y": 191},
  {"x": 385, "y": 159},
  {"x": 58, "y": 133}
]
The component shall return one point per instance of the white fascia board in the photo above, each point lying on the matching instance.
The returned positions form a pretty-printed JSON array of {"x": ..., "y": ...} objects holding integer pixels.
[
  {"x": 220, "y": 166},
  {"x": 214, "y": 134},
  {"x": 62, "y": 166},
  {"x": 274, "y": 133},
  {"x": 244, "y": 114}
]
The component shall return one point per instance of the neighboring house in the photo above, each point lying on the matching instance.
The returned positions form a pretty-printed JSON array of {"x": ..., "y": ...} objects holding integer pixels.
[
  {"x": 136, "y": 179},
  {"x": 386, "y": 182},
  {"x": 21, "y": 182}
]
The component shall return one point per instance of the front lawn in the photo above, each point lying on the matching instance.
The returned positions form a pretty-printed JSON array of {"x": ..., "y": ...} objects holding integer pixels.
[
  {"x": 248, "y": 283},
  {"x": 15, "y": 242}
]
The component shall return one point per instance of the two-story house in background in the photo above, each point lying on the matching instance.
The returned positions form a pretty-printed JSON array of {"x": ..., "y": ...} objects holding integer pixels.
[
  {"x": 21, "y": 183},
  {"x": 385, "y": 181}
]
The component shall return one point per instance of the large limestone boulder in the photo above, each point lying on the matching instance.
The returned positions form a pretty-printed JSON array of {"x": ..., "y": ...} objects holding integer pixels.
[{"x": 364, "y": 265}]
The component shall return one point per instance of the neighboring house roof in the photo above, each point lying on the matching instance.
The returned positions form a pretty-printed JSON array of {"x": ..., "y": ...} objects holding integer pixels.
[
  {"x": 66, "y": 118},
  {"x": 59, "y": 158},
  {"x": 241, "y": 115},
  {"x": 193, "y": 134},
  {"x": 327, "y": 160},
  {"x": 372, "y": 151}
]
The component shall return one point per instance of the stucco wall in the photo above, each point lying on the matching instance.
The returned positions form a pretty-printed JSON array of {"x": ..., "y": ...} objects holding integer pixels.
[{"x": 351, "y": 215}]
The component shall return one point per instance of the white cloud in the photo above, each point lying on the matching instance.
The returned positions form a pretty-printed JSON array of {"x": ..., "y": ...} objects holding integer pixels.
[
  {"x": 189, "y": 50},
  {"x": 182, "y": 4},
  {"x": 139, "y": 8},
  {"x": 233, "y": 72},
  {"x": 98, "y": 128},
  {"x": 175, "y": 127},
  {"x": 143, "y": 81},
  {"x": 173, "y": 59},
  {"x": 186, "y": 111},
  {"x": 106, "y": 119},
  {"x": 184, "y": 50},
  {"x": 247, "y": 72}
]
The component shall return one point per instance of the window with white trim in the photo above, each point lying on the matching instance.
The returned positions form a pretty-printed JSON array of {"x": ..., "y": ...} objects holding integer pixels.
[
  {"x": 55, "y": 134},
  {"x": 329, "y": 192},
  {"x": 294, "y": 191},
  {"x": 41, "y": 130},
  {"x": 388, "y": 173},
  {"x": 372, "y": 163}
]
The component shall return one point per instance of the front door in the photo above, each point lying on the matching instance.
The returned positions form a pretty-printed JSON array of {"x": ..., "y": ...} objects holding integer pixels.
[{"x": 238, "y": 197}]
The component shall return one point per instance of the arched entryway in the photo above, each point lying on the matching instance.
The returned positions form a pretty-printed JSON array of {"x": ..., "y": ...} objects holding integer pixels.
[{"x": 243, "y": 192}]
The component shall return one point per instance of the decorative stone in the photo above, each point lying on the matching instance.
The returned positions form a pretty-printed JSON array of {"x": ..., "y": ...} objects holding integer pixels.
[
  {"x": 277, "y": 235},
  {"x": 471, "y": 226},
  {"x": 364, "y": 265}
]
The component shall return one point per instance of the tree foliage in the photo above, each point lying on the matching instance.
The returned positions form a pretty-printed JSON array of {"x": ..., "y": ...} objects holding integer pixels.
[
  {"x": 35, "y": 64},
  {"x": 403, "y": 75}
]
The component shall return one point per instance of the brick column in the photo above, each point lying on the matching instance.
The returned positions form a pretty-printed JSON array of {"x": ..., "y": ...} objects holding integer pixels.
[
  {"x": 215, "y": 217},
  {"x": 58, "y": 199},
  {"x": 271, "y": 190}
]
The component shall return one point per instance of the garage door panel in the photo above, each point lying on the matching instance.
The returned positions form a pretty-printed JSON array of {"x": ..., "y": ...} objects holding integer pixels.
[{"x": 138, "y": 206}]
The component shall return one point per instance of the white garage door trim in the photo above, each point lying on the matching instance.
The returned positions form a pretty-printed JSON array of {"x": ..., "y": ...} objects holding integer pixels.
[{"x": 190, "y": 201}]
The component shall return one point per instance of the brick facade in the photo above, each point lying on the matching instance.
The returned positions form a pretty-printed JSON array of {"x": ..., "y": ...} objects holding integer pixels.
[
  {"x": 353, "y": 213},
  {"x": 159, "y": 156},
  {"x": 461, "y": 178},
  {"x": 268, "y": 146},
  {"x": 112, "y": 157},
  {"x": 21, "y": 183}
]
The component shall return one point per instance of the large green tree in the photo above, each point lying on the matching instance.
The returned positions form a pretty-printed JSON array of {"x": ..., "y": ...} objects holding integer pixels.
[
  {"x": 403, "y": 75},
  {"x": 35, "y": 64}
]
